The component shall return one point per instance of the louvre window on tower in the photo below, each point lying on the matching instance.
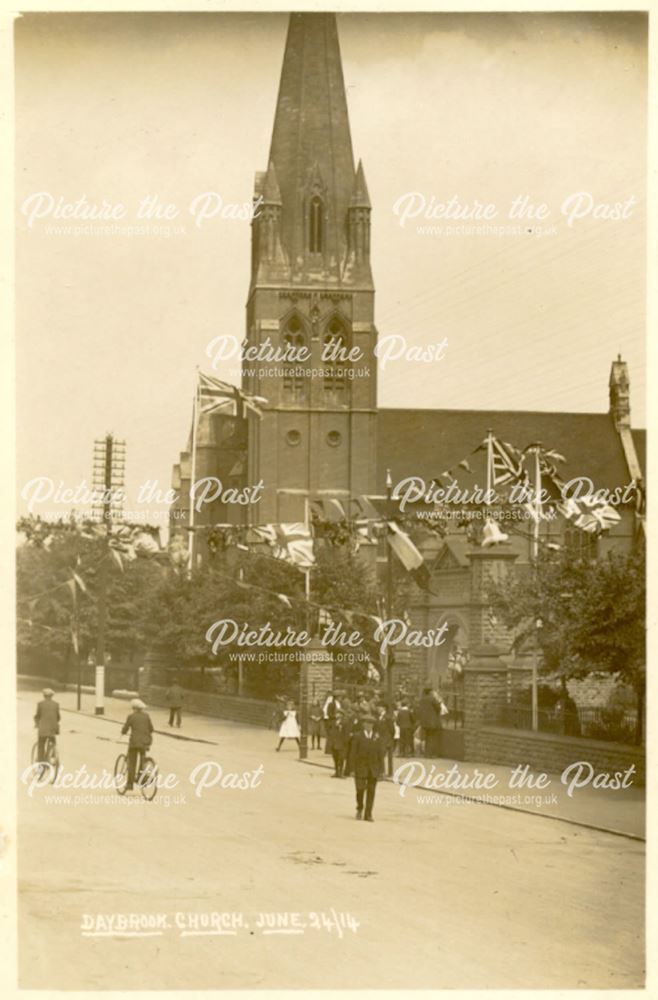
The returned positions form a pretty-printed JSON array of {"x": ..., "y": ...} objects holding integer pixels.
[
  {"x": 335, "y": 351},
  {"x": 294, "y": 378},
  {"x": 316, "y": 225}
]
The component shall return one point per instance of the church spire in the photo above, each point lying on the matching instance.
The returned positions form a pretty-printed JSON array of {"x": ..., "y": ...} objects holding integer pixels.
[{"x": 311, "y": 148}]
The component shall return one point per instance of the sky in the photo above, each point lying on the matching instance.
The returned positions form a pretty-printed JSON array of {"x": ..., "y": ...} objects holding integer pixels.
[{"x": 475, "y": 107}]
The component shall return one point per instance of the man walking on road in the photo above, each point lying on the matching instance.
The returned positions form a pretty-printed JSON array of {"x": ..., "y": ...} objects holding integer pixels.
[
  {"x": 367, "y": 765},
  {"x": 140, "y": 727},
  {"x": 46, "y": 720},
  {"x": 174, "y": 698}
]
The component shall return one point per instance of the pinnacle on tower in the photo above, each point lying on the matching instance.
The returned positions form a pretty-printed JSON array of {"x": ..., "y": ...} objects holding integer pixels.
[{"x": 360, "y": 197}]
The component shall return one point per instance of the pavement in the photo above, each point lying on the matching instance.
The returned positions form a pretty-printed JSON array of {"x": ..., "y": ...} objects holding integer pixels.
[
  {"x": 621, "y": 810},
  {"x": 274, "y": 885}
]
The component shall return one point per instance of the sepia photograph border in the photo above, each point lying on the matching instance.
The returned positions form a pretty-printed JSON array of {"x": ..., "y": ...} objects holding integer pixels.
[{"x": 8, "y": 756}]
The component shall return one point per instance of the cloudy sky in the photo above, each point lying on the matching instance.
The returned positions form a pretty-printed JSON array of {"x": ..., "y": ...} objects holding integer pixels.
[{"x": 480, "y": 107}]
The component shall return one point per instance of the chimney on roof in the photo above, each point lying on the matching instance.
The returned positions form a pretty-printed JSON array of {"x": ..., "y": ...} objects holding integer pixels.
[{"x": 619, "y": 394}]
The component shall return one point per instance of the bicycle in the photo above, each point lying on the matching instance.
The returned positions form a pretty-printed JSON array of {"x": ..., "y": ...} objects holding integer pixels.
[
  {"x": 146, "y": 780},
  {"x": 51, "y": 754}
]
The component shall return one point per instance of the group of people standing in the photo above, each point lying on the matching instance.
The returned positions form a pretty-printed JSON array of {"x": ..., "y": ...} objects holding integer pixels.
[
  {"x": 359, "y": 734},
  {"x": 405, "y": 728}
]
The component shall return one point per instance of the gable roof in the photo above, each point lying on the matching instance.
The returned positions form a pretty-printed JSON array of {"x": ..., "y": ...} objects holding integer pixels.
[{"x": 427, "y": 442}]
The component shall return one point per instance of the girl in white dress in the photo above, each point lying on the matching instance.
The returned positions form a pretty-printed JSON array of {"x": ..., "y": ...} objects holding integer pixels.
[{"x": 289, "y": 729}]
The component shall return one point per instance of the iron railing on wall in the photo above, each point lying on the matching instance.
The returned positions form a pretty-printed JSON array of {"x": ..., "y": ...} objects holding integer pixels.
[{"x": 599, "y": 723}]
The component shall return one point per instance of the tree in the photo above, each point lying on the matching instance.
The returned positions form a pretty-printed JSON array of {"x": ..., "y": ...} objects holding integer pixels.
[
  {"x": 592, "y": 614},
  {"x": 46, "y": 563}
]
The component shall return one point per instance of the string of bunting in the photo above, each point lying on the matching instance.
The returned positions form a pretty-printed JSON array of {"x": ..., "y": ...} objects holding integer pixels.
[
  {"x": 347, "y": 613},
  {"x": 126, "y": 540}
]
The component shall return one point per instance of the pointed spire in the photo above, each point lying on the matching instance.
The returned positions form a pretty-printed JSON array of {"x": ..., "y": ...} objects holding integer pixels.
[
  {"x": 360, "y": 197},
  {"x": 311, "y": 134},
  {"x": 271, "y": 192}
]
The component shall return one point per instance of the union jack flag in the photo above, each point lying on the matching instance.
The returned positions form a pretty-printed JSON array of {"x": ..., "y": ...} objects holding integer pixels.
[
  {"x": 291, "y": 542},
  {"x": 216, "y": 396},
  {"x": 506, "y": 462}
]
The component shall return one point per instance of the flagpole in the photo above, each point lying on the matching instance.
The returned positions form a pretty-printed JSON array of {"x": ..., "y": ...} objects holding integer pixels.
[
  {"x": 489, "y": 464},
  {"x": 307, "y": 571},
  {"x": 304, "y": 664},
  {"x": 389, "y": 615},
  {"x": 193, "y": 472},
  {"x": 535, "y": 530}
]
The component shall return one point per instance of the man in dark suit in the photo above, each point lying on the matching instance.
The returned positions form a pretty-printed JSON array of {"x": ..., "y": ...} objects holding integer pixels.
[
  {"x": 339, "y": 739},
  {"x": 46, "y": 720},
  {"x": 140, "y": 727},
  {"x": 353, "y": 727},
  {"x": 429, "y": 718},
  {"x": 407, "y": 724},
  {"x": 174, "y": 699},
  {"x": 367, "y": 765}
]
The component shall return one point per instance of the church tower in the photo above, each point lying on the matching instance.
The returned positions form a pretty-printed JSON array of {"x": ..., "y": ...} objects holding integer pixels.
[{"x": 311, "y": 293}]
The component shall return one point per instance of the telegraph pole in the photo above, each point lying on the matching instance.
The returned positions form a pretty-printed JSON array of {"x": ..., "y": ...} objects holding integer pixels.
[
  {"x": 108, "y": 475},
  {"x": 75, "y": 631}
]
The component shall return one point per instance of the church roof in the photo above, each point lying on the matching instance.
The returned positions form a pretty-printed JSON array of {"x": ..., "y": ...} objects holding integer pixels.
[{"x": 426, "y": 443}]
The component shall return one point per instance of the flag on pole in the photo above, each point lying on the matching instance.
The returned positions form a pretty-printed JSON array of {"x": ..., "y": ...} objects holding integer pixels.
[
  {"x": 506, "y": 462},
  {"x": 599, "y": 518},
  {"x": 216, "y": 396},
  {"x": 328, "y": 509},
  {"x": 596, "y": 517},
  {"x": 408, "y": 554}
]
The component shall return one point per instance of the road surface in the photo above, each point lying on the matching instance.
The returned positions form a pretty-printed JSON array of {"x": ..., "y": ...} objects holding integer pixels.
[{"x": 465, "y": 897}]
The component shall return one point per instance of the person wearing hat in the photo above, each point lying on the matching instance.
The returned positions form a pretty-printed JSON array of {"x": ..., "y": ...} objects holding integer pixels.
[
  {"x": 174, "y": 699},
  {"x": 367, "y": 765},
  {"x": 339, "y": 740},
  {"x": 353, "y": 726},
  {"x": 46, "y": 720},
  {"x": 140, "y": 727}
]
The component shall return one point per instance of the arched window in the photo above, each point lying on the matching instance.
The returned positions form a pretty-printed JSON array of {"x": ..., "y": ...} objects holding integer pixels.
[
  {"x": 581, "y": 544},
  {"x": 316, "y": 225},
  {"x": 294, "y": 379},
  {"x": 335, "y": 364}
]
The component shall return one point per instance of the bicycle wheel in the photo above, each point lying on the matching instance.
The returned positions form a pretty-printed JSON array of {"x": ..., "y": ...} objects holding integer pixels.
[
  {"x": 52, "y": 757},
  {"x": 148, "y": 779},
  {"x": 121, "y": 774}
]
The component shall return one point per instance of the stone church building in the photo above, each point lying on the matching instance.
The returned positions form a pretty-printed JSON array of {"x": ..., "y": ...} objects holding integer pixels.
[{"x": 311, "y": 292}]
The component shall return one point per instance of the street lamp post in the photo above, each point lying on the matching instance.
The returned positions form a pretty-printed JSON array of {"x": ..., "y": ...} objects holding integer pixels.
[{"x": 535, "y": 700}]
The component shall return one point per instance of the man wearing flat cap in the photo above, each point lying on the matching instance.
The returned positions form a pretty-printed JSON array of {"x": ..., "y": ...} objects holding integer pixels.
[
  {"x": 140, "y": 727},
  {"x": 367, "y": 765},
  {"x": 46, "y": 720}
]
